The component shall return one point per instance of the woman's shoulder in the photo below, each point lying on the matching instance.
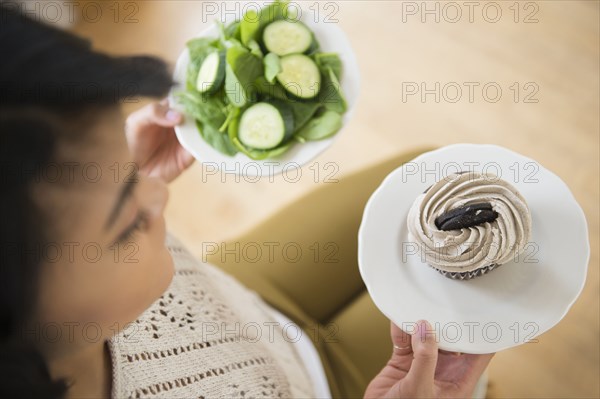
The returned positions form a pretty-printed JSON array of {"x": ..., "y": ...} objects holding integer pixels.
[{"x": 195, "y": 333}]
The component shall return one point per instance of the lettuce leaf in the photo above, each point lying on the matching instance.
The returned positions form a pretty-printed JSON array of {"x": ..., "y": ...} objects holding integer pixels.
[
  {"x": 320, "y": 127},
  {"x": 331, "y": 60},
  {"x": 272, "y": 66},
  {"x": 242, "y": 69},
  {"x": 210, "y": 113},
  {"x": 331, "y": 95},
  {"x": 303, "y": 111}
]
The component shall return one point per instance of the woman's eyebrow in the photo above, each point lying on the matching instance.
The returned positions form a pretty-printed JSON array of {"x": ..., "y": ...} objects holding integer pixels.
[{"x": 125, "y": 193}]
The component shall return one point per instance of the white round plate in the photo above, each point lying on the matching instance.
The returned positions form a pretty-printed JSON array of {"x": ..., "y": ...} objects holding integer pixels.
[
  {"x": 506, "y": 307},
  {"x": 331, "y": 39}
]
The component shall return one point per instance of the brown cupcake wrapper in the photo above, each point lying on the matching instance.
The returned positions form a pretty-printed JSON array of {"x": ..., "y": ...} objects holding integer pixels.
[{"x": 467, "y": 275}]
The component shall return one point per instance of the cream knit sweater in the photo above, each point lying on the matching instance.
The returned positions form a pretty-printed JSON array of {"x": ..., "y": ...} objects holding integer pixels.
[{"x": 206, "y": 337}]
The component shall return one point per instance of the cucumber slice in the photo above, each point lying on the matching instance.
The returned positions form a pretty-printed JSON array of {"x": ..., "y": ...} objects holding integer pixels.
[
  {"x": 264, "y": 126},
  {"x": 212, "y": 73},
  {"x": 300, "y": 76},
  {"x": 285, "y": 37}
]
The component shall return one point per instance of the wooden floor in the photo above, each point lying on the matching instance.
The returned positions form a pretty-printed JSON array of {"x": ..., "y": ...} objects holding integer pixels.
[{"x": 551, "y": 62}]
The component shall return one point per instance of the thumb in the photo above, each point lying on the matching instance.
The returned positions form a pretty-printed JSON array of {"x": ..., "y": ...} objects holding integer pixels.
[{"x": 425, "y": 353}]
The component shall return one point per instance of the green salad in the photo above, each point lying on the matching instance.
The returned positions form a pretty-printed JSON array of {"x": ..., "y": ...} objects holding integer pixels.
[{"x": 263, "y": 85}]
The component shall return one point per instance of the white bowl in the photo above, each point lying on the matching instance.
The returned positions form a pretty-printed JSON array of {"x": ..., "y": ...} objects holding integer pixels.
[
  {"x": 506, "y": 307},
  {"x": 332, "y": 39}
]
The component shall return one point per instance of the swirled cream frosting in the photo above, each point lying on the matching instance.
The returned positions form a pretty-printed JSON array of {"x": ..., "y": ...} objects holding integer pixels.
[{"x": 469, "y": 223}]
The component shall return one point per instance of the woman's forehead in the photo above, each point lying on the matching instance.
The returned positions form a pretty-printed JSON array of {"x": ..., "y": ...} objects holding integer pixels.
[
  {"x": 86, "y": 175},
  {"x": 100, "y": 150}
]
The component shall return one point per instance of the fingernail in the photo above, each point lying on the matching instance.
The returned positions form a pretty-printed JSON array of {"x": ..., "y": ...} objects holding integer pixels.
[{"x": 173, "y": 115}]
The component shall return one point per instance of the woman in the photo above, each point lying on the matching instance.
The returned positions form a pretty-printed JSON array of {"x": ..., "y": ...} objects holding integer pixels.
[{"x": 93, "y": 303}]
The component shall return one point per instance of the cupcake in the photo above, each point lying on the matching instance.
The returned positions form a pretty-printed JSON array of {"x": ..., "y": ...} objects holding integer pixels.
[{"x": 468, "y": 224}]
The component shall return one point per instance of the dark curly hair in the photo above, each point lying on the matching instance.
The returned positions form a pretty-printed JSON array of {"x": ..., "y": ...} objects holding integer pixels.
[{"x": 47, "y": 77}]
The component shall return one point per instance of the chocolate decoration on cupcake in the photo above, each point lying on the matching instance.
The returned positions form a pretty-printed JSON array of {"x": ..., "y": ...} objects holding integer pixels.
[
  {"x": 466, "y": 216},
  {"x": 469, "y": 223}
]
